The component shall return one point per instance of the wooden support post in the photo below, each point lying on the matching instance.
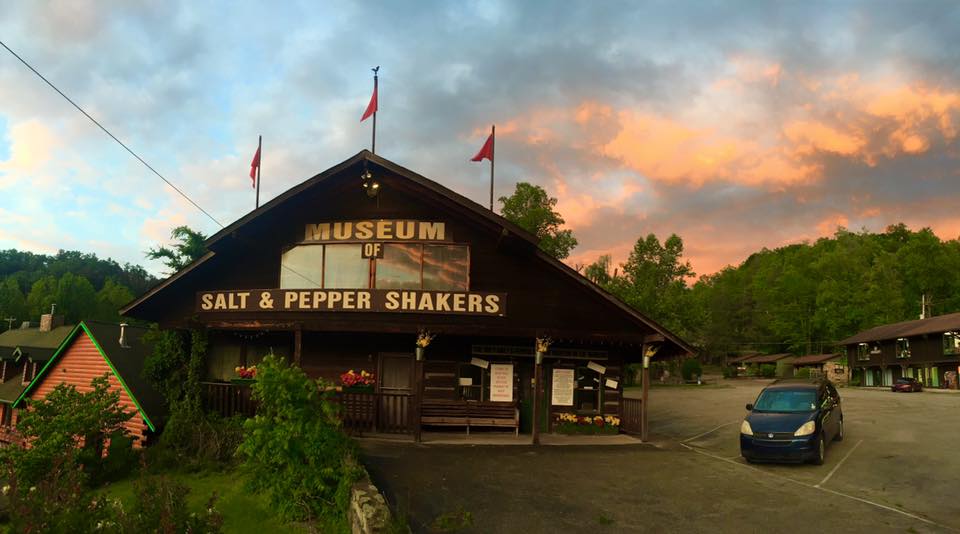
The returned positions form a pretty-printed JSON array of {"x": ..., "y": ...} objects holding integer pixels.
[
  {"x": 646, "y": 391},
  {"x": 417, "y": 398},
  {"x": 297, "y": 344},
  {"x": 537, "y": 394}
]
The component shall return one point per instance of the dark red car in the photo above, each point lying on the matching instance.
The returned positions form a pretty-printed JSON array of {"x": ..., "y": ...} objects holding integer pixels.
[{"x": 906, "y": 384}]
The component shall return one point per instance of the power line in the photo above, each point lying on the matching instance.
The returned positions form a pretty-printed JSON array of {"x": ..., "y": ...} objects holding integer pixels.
[
  {"x": 134, "y": 154},
  {"x": 106, "y": 131}
]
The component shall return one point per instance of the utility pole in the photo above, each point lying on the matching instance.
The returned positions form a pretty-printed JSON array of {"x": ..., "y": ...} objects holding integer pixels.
[{"x": 10, "y": 321}]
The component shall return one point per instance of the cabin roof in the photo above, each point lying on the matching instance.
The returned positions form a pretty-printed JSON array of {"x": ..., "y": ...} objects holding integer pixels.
[
  {"x": 455, "y": 200},
  {"x": 916, "y": 327},
  {"x": 125, "y": 362},
  {"x": 768, "y": 358},
  {"x": 812, "y": 359},
  {"x": 33, "y": 337}
]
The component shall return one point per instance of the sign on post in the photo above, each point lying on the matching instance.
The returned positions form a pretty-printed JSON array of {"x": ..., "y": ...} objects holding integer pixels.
[{"x": 562, "y": 390}]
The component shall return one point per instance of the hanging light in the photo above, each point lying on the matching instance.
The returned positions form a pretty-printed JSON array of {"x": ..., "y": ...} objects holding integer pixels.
[{"x": 371, "y": 186}]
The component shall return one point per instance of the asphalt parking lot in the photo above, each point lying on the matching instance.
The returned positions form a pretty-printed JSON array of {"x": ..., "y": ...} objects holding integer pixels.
[{"x": 896, "y": 471}]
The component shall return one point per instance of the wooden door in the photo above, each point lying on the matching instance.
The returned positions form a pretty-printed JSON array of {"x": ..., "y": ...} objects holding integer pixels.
[{"x": 395, "y": 386}]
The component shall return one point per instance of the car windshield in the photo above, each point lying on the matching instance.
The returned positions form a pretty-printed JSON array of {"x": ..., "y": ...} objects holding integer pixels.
[
  {"x": 903, "y": 381},
  {"x": 786, "y": 400}
]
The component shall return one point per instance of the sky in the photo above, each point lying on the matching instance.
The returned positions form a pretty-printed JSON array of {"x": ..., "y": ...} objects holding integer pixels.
[{"x": 735, "y": 125}]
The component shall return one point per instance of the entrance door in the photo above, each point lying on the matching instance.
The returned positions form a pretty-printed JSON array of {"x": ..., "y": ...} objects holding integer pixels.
[
  {"x": 888, "y": 377},
  {"x": 869, "y": 377},
  {"x": 394, "y": 403}
]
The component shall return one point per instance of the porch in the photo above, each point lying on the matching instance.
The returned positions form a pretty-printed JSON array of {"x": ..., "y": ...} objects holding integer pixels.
[{"x": 379, "y": 414}]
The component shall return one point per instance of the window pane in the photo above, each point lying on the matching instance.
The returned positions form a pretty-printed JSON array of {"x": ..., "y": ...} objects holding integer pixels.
[
  {"x": 399, "y": 268},
  {"x": 445, "y": 267},
  {"x": 345, "y": 268},
  {"x": 301, "y": 267}
]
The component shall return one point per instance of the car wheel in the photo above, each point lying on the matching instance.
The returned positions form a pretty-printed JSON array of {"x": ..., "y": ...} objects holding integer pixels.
[
  {"x": 821, "y": 448},
  {"x": 839, "y": 436}
]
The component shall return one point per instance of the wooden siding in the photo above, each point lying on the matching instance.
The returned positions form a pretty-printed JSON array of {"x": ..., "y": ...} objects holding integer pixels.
[{"x": 78, "y": 365}]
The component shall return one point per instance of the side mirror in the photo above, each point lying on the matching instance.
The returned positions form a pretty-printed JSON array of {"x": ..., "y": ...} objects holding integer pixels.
[{"x": 749, "y": 407}]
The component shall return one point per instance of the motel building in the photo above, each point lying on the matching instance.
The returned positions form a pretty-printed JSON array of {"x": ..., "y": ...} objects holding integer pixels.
[
  {"x": 345, "y": 270},
  {"x": 925, "y": 349}
]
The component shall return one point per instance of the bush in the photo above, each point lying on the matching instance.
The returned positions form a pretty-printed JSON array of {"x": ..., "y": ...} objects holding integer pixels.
[
  {"x": 854, "y": 382},
  {"x": 768, "y": 370},
  {"x": 729, "y": 372},
  {"x": 294, "y": 449},
  {"x": 803, "y": 372},
  {"x": 691, "y": 368},
  {"x": 161, "y": 506}
]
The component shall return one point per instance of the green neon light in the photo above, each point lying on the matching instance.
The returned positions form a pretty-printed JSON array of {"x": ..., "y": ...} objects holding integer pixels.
[{"x": 109, "y": 363}]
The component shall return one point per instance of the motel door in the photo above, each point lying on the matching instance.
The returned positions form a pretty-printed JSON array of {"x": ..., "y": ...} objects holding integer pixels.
[{"x": 396, "y": 386}]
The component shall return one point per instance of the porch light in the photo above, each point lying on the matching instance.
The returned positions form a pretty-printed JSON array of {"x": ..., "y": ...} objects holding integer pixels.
[{"x": 371, "y": 186}]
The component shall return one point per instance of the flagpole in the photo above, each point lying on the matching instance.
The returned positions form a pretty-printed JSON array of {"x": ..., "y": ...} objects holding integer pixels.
[
  {"x": 493, "y": 144},
  {"x": 259, "y": 166},
  {"x": 373, "y": 144}
]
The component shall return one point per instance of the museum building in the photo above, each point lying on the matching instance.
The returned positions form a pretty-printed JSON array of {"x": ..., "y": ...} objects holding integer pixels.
[{"x": 349, "y": 269}]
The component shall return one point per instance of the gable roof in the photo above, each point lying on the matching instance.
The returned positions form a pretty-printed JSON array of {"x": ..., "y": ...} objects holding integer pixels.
[
  {"x": 812, "y": 359},
  {"x": 126, "y": 363},
  {"x": 916, "y": 327},
  {"x": 33, "y": 337},
  {"x": 454, "y": 199},
  {"x": 768, "y": 358}
]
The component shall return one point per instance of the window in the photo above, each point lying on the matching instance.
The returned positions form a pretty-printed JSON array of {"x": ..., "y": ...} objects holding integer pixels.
[
  {"x": 446, "y": 267},
  {"x": 302, "y": 267},
  {"x": 399, "y": 268},
  {"x": 863, "y": 352},
  {"x": 586, "y": 396},
  {"x": 951, "y": 342},
  {"x": 402, "y": 266},
  {"x": 903, "y": 347},
  {"x": 471, "y": 382},
  {"x": 7, "y": 415}
]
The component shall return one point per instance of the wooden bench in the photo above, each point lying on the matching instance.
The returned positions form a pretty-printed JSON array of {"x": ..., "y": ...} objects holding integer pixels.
[{"x": 470, "y": 413}]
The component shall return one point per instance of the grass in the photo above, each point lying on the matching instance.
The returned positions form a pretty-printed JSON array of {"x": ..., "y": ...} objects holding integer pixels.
[{"x": 243, "y": 510}]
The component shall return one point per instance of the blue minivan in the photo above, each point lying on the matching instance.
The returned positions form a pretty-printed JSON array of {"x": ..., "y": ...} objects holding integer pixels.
[{"x": 792, "y": 421}]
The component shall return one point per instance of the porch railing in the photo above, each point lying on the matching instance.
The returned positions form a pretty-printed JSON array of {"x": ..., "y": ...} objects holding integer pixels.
[
  {"x": 631, "y": 420},
  {"x": 228, "y": 399},
  {"x": 390, "y": 413}
]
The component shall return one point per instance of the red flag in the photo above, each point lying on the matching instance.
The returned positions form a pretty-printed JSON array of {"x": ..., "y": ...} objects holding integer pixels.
[
  {"x": 372, "y": 106},
  {"x": 486, "y": 151},
  {"x": 254, "y": 165}
]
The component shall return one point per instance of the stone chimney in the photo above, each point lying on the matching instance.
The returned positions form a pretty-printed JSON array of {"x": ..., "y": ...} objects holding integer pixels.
[{"x": 49, "y": 321}]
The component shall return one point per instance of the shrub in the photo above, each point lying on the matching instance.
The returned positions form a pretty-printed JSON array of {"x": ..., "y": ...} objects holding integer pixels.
[
  {"x": 691, "y": 368},
  {"x": 768, "y": 370},
  {"x": 729, "y": 372},
  {"x": 803, "y": 372},
  {"x": 161, "y": 506},
  {"x": 294, "y": 449},
  {"x": 854, "y": 382}
]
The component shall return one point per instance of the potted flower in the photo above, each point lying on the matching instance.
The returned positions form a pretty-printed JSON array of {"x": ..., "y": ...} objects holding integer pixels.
[
  {"x": 542, "y": 346},
  {"x": 423, "y": 341},
  {"x": 361, "y": 382},
  {"x": 571, "y": 423},
  {"x": 245, "y": 375}
]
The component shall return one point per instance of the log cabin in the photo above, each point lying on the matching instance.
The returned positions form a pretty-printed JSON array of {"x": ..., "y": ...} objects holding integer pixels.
[
  {"x": 93, "y": 349},
  {"x": 342, "y": 272}
]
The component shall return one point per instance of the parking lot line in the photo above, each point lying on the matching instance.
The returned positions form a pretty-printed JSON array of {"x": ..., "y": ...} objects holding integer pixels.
[
  {"x": 834, "y": 470},
  {"x": 709, "y": 431},
  {"x": 834, "y": 492}
]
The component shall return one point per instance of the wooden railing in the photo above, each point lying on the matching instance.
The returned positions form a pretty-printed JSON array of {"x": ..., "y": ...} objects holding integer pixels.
[
  {"x": 360, "y": 412},
  {"x": 228, "y": 399},
  {"x": 631, "y": 419},
  {"x": 389, "y": 413}
]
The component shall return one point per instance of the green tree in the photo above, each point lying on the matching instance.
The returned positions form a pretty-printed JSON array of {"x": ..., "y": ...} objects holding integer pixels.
[
  {"x": 12, "y": 302},
  {"x": 654, "y": 280},
  {"x": 599, "y": 271},
  {"x": 189, "y": 246},
  {"x": 43, "y": 294},
  {"x": 530, "y": 208},
  {"x": 76, "y": 298},
  {"x": 109, "y": 300}
]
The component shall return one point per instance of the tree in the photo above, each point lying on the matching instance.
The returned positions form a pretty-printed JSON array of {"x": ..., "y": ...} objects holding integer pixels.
[
  {"x": 189, "y": 247},
  {"x": 43, "y": 294},
  {"x": 12, "y": 302},
  {"x": 109, "y": 300},
  {"x": 599, "y": 271},
  {"x": 530, "y": 208},
  {"x": 654, "y": 280}
]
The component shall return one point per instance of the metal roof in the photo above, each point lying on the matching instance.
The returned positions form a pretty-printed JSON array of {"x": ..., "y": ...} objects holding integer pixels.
[{"x": 810, "y": 359}]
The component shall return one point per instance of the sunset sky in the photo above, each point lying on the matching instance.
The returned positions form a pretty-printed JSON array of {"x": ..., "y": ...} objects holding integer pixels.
[{"x": 735, "y": 125}]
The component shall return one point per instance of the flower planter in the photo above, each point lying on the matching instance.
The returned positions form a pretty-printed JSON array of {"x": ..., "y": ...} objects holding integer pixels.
[
  {"x": 243, "y": 381},
  {"x": 419, "y": 353},
  {"x": 358, "y": 389}
]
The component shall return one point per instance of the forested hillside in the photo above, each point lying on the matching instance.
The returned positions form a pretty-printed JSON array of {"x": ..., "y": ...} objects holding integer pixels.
[
  {"x": 82, "y": 285},
  {"x": 797, "y": 298}
]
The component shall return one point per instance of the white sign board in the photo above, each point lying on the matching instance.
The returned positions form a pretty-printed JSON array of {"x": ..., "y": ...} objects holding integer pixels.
[
  {"x": 479, "y": 362},
  {"x": 501, "y": 382},
  {"x": 593, "y": 366},
  {"x": 562, "y": 387},
  {"x": 612, "y": 384}
]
